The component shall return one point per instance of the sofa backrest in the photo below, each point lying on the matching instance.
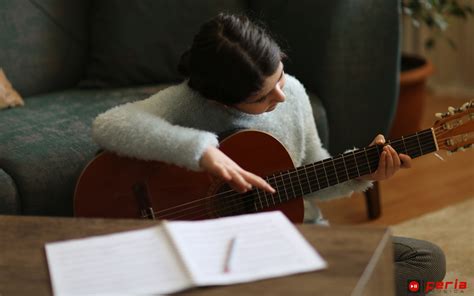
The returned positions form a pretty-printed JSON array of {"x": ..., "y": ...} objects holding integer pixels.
[
  {"x": 43, "y": 43},
  {"x": 141, "y": 42},
  {"x": 346, "y": 52}
]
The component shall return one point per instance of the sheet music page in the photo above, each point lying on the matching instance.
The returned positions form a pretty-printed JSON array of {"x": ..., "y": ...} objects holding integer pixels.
[
  {"x": 127, "y": 263},
  {"x": 267, "y": 245}
]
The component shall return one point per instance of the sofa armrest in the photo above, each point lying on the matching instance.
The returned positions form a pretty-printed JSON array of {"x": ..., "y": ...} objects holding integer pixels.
[{"x": 9, "y": 197}]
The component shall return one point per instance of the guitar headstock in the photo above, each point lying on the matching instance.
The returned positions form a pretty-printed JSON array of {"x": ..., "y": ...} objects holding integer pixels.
[{"x": 454, "y": 130}]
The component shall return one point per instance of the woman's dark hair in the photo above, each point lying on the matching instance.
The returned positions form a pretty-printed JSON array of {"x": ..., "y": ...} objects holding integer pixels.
[{"x": 229, "y": 59}]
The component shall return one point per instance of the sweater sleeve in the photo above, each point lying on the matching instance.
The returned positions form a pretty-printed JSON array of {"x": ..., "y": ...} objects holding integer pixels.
[
  {"x": 139, "y": 130},
  {"x": 314, "y": 151}
]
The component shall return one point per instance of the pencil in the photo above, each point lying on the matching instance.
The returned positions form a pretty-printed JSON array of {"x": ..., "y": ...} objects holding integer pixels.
[{"x": 230, "y": 254}]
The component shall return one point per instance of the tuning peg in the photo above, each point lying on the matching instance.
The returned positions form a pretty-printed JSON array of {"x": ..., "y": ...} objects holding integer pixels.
[
  {"x": 451, "y": 110},
  {"x": 442, "y": 115},
  {"x": 465, "y": 106}
]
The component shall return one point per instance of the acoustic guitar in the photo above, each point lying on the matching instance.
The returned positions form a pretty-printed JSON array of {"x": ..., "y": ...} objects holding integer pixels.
[{"x": 120, "y": 187}]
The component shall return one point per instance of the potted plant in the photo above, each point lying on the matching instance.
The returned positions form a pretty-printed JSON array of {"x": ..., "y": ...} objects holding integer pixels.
[{"x": 436, "y": 16}]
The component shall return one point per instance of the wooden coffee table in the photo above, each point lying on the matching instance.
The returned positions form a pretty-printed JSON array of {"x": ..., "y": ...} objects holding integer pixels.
[{"x": 360, "y": 258}]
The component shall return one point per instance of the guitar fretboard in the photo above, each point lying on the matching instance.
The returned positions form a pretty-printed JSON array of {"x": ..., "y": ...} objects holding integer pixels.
[{"x": 344, "y": 167}]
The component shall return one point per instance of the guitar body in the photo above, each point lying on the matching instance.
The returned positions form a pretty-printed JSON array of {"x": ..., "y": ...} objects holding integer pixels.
[{"x": 119, "y": 187}]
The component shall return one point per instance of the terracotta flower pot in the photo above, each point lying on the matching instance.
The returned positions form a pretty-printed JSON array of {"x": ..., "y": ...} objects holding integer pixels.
[{"x": 411, "y": 101}]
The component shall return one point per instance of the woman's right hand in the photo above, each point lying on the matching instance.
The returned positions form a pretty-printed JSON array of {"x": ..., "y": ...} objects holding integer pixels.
[{"x": 215, "y": 162}]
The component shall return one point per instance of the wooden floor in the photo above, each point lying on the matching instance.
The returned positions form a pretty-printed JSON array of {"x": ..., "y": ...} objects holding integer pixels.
[{"x": 430, "y": 185}]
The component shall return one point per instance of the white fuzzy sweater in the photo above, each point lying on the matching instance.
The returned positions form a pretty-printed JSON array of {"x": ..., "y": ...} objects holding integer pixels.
[{"x": 177, "y": 124}]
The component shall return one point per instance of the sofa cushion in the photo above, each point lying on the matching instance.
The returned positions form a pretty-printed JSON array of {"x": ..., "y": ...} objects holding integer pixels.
[
  {"x": 140, "y": 42},
  {"x": 47, "y": 143},
  {"x": 43, "y": 43}
]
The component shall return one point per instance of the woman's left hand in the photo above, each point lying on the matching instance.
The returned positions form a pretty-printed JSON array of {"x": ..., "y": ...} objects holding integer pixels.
[{"x": 390, "y": 162}]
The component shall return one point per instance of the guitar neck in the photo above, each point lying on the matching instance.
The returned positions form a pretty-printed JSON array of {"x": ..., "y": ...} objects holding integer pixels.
[{"x": 313, "y": 177}]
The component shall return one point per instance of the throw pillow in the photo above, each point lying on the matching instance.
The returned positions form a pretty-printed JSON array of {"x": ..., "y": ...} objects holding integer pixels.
[{"x": 8, "y": 96}]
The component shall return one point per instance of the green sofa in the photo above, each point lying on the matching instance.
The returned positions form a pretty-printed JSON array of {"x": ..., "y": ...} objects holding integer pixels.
[{"x": 71, "y": 60}]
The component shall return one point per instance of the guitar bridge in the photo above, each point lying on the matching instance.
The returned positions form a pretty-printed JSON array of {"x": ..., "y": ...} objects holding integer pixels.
[
  {"x": 148, "y": 213},
  {"x": 140, "y": 190}
]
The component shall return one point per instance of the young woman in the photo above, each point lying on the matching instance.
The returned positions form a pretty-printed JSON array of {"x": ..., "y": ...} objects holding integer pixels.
[{"x": 236, "y": 80}]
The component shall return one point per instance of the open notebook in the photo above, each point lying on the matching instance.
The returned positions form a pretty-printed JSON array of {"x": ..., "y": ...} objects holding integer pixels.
[{"x": 178, "y": 255}]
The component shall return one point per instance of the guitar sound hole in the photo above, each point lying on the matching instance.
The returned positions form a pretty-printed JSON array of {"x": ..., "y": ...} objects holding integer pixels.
[{"x": 228, "y": 202}]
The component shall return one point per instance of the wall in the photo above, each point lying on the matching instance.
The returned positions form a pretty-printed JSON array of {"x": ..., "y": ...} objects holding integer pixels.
[{"x": 454, "y": 68}]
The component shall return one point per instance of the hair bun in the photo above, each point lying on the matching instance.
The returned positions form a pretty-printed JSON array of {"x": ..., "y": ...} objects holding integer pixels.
[{"x": 184, "y": 64}]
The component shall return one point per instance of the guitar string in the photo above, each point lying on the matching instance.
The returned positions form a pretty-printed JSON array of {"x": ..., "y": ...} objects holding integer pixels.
[
  {"x": 264, "y": 193},
  {"x": 266, "y": 198},
  {"x": 316, "y": 166},
  {"x": 282, "y": 176},
  {"x": 236, "y": 205},
  {"x": 357, "y": 153},
  {"x": 268, "y": 203},
  {"x": 273, "y": 197},
  {"x": 329, "y": 182}
]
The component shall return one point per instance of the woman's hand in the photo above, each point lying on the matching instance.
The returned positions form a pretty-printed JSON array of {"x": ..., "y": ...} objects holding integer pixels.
[
  {"x": 220, "y": 165},
  {"x": 390, "y": 162}
]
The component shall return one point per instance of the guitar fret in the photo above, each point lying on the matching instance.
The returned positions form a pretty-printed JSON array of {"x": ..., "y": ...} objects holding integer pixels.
[
  {"x": 277, "y": 188},
  {"x": 284, "y": 186},
  {"x": 413, "y": 150},
  {"x": 345, "y": 167},
  {"x": 419, "y": 145},
  {"x": 335, "y": 170},
  {"x": 428, "y": 141},
  {"x": 307, "y": 178},
  {"x": 341, "y": 170},
  {"x": 413, "y": 143},
  {"x": 327, "y": 172},
  {"x": 259, "y": 198},
  {"x": 374, "y": 156},
  {"x": 397, "y": 146},
  {"x": 355, "y": 160},
  {"x": 350, "y": 165},
  {"x": 231, "y": 204},
  {"x": 271, "y": 195},
  {"x": 362, "y": 163},
  {"x": 404, "y": 145},
  {"x": 299, "y": 182},
  {"x": 291, "y": 183},
  {"x": 315, "y": 170},
  {"x": 368, "y": 163}
]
